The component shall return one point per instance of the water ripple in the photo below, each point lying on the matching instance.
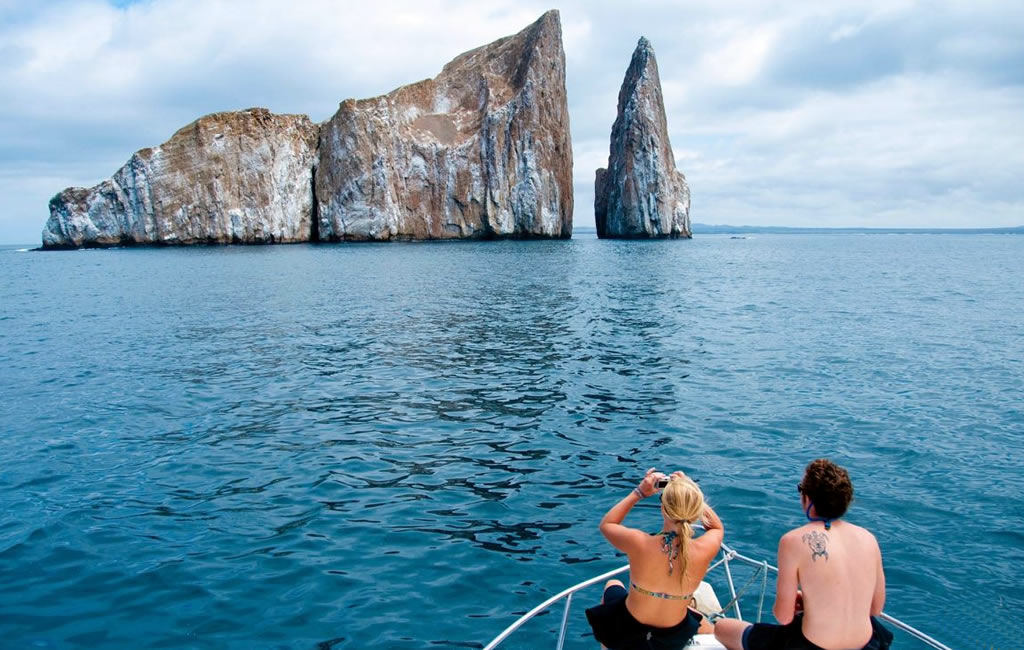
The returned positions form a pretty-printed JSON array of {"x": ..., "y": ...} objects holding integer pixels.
[{"x": 405, "y": 445}]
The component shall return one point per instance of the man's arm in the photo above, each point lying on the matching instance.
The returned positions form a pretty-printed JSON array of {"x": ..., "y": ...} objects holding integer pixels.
[
  {"x": 787, "y": 581},
  {"x": 878, "y": 598}
]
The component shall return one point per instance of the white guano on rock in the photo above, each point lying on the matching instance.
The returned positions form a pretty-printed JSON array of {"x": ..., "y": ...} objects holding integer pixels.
[{"x": 236, "y": 177}]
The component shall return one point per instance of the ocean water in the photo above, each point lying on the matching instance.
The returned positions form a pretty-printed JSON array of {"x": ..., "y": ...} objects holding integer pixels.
[{"x": 406, "y": 445}]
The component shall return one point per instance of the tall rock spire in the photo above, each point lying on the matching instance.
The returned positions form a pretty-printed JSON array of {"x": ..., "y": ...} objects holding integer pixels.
[{"x": 641, "y": 194}]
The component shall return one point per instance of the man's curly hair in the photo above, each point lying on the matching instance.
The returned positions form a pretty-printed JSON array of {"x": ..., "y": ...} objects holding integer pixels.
[{"x": 828, "y": 487}]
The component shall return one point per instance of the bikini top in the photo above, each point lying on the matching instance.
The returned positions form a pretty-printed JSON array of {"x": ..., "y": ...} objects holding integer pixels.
[
  {"x": 657, "y": 594},
  {"x": 672, "y": 550}
]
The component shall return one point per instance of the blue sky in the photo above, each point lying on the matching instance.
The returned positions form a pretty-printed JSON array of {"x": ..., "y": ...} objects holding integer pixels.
[{"x": 868, "y": 114}]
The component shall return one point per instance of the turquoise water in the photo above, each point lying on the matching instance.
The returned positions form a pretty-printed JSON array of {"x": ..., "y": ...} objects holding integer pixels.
[{"x": 404, "y": 445}]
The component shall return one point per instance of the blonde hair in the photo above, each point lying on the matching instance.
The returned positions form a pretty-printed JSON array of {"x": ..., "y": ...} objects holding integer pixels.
[{"x": 684, "y": 504}]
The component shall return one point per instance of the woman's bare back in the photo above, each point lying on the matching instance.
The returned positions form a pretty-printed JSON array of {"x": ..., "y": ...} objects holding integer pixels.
[{"x": 649, "y": 569}]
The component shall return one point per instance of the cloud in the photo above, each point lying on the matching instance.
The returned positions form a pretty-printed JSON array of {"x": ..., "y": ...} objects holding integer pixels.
[
  {"x": 883, "y": 113},
  {"x": 738, "y": 60}
]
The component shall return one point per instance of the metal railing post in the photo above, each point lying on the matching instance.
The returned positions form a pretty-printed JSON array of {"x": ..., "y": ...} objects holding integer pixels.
[
  {"x": 496, "y": 641},
  {"x": 565, "y": 622},
  {"x": 764, "y": 588},
  {"x": 732, "y": 588}
]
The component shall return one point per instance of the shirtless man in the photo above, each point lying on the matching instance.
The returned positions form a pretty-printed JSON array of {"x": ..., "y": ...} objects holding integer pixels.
[{"x": 830, "y": 583}]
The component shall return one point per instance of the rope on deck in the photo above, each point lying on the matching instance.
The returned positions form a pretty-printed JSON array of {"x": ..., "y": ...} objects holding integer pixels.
[{"x": 739, "y": 594}]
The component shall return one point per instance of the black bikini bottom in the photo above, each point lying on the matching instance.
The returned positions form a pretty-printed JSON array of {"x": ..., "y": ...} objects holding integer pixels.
[{"x": 615, "y": 628}]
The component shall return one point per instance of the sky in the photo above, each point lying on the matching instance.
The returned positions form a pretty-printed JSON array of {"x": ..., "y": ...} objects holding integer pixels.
[{"x": 886, "y": 113}]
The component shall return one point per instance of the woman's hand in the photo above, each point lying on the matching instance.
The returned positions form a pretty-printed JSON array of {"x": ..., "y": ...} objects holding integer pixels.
[
  {"x": 647, "y": 486},
  {"x": 710, "y": 518}
]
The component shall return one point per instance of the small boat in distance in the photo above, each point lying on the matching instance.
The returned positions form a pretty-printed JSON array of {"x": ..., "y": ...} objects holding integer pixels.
[{"x": 707, "y": 603}]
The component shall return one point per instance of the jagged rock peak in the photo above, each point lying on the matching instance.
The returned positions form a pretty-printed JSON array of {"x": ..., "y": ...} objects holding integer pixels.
[
  {"x": 480, "y": 151},
  {"x": 641, "y": 194},
  {"x": 234, "y": 177},
  {"x": 643, "y": 48}
]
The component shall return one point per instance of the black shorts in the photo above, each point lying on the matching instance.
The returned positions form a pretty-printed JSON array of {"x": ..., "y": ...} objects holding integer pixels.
[
  {"x": 615, "y": 628},
  {"x": 766, "y": 636}
]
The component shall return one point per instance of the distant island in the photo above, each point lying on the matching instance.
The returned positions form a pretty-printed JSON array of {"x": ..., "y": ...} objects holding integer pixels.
[
  {"x": 722, "y": 229},
  {"x": 708, "y": 229}
]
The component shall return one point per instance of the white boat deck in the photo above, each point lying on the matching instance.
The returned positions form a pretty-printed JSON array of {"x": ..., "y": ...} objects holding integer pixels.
[
  {"x": 707, "y": 604},
  {"x": 705, "y": 641}
]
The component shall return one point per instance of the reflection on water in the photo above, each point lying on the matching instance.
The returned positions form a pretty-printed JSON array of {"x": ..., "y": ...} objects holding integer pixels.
[{"x": 402, "y": 445}]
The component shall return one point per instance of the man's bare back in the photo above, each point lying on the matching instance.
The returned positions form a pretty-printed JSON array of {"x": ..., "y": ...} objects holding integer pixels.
[
  {"x": 839, "y": 573},
  {"x": 830, "y": 582}
]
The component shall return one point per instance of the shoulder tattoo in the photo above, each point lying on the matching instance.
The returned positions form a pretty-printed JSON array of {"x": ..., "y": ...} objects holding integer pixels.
[{"x": 818, "y": 543}]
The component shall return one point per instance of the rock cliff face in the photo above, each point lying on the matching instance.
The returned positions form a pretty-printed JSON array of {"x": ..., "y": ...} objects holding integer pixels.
[
  {"x": 641, "y": 194},
  {"x": 240, "y": 177},
  {"x": 480, "y": 151}
]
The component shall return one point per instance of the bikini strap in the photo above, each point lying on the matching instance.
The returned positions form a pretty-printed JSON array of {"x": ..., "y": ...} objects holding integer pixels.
[
  {"x": 657, "y": 594},
  {"x": 827, "y": 520}
]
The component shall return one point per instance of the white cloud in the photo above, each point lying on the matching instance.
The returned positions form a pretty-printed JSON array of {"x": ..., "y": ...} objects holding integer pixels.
[
  {"x": 792, "y": 113},
  {"x": 844, "y": 32},
  {"x": 895, "y": 152},
  {"x": 740, "y": 58}
]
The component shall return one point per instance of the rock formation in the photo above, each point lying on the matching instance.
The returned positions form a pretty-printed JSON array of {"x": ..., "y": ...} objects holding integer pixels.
[
  {"x": 641, "y": 194},
  {"x": 240, "y": 177},
  {"x": 481, "y": 151}
]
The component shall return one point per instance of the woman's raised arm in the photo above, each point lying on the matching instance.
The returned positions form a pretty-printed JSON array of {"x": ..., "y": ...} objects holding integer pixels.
[
  {"x": 622, "y": 537},
  {"x": 711, "y": 520}
]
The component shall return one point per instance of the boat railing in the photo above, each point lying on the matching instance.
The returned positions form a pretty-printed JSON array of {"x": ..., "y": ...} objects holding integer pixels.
[{"x": 728, "y": 555}]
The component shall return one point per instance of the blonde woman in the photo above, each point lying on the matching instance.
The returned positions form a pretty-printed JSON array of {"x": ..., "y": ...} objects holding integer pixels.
[{"x": 665, "y": 568}]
